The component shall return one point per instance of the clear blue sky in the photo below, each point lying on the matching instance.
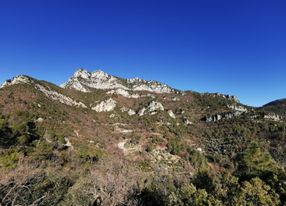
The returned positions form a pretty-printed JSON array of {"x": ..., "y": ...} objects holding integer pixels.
[{"x": 230, "y": 46}]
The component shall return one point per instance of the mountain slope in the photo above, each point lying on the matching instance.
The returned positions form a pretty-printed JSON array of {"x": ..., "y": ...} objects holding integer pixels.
[
  {"x": 278, "y": 107},
  {"x": 73, "y": 146}
]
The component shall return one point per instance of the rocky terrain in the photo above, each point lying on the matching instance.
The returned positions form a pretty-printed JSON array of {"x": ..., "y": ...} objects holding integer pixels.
[
  {"x": 85, "y": 81},
  {"x": 103, "y": 140}
]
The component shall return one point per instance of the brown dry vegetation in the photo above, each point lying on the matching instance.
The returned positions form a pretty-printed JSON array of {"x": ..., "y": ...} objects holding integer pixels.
[{"x": 37, "y": 168}]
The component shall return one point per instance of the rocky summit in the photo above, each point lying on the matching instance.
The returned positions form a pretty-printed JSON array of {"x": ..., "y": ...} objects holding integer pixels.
[
  {"x": 99, "y": 139},
  {"x": 84, "y": 81}
]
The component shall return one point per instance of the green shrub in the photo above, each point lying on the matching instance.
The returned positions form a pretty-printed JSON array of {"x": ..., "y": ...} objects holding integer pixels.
[
  {"x": 23, "y": 139},
  {"x": 175, "y": 146},
  {"x": 189, "y": 195},
  {"x": 2, "y": 122},
  {"x": 43, "y": 150},
  {"x": 80, "y": 194},
  {"x": 6, "y": 137},
  {"x": 256, "y": 162},
  {"x": 89, "y": 153},
  {"x": 150, "y": 147},
  {"x": 9, "y": 159},
  {"x": 197, "y": 159},
  {"x": 256, "y": 192}
]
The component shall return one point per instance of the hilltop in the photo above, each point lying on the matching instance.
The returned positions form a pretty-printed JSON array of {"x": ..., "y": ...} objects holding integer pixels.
[{"x": 277, "y": 106}]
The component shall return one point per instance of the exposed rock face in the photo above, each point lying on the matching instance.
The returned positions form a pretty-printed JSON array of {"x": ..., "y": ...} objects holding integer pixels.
[
  {"x": 84, "y": 81},
  {"x": 105, "y": 106},
  {"x": 17, "y": 80},
  {"x": 214, "y": 118},
  {"x": 142, "y": 111},
  {"x": 238, "y": 108},
  {"x": 223, "y": 116},
  {"x": 152, "y": 108},
  {"x": 78, "y": 86},
  {"x": 151, "y": 86},
  {"x": 232, "y": 97},
  {"x": 123, "y": 93},
  {"x": 226, "y": 96},
  {"x": 273, "y": 117},
  {"x": 237, "y": 111},
  {"x": 59, "y": 97},
  {"x": 155, "y": 106},
  {"x": 130, "y": 112}
]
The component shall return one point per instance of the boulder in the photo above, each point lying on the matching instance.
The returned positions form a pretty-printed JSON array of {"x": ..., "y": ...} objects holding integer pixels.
[
  {"x": 105, "y": 106},
  {"x": 171, "y": 114}
]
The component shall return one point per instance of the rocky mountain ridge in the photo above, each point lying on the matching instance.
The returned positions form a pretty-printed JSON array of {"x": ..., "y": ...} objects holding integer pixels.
[
  {"x": 100, "y": 124},
  {"x": 84, "y": 81}
]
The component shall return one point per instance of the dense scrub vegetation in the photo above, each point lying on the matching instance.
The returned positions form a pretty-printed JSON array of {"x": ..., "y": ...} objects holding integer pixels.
[
  {"x": 52, "y": 154},
  {"x": 255, "y": 178}
]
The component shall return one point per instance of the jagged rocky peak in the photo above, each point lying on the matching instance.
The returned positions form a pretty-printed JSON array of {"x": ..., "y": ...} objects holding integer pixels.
[
  {"x": 84, "y": 74},
  {"x": 21, "y": 79},
  {"x": 81, "y": 73},
  {"x": 84, "y": 81},
  {"x": 100, "y": 75}
]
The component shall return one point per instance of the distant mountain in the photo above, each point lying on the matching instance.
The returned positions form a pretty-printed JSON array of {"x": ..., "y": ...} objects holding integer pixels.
[{"x": 277, "y": 106}]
